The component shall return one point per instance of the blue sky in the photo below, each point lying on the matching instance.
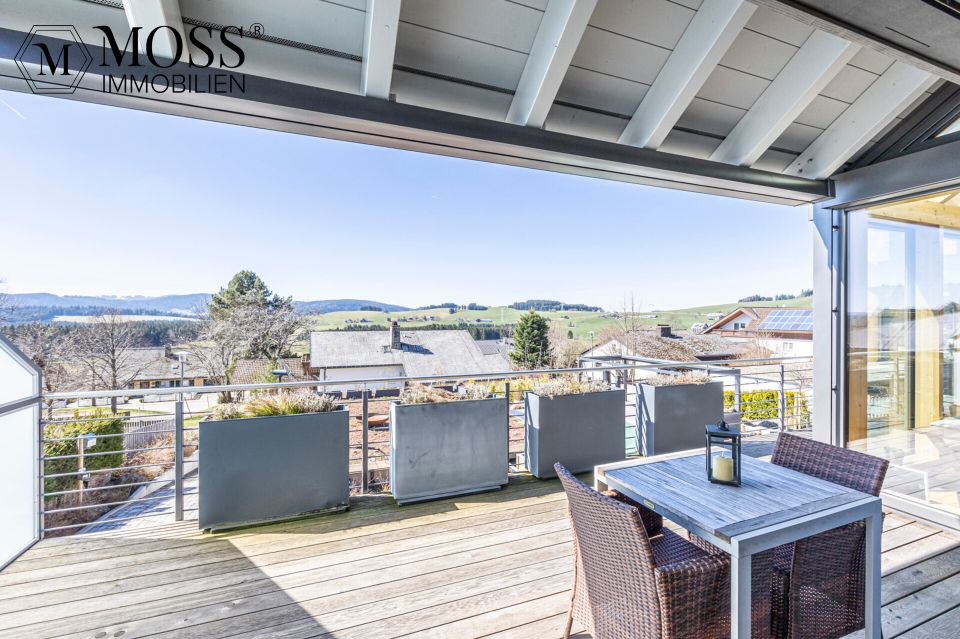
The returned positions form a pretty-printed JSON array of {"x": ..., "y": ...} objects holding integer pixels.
[{"x": 100, "y": 200}]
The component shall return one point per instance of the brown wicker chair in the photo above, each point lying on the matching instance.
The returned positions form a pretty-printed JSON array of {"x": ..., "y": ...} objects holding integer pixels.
[
  {"x": 628, "y": 583},
  {"x": 818, "y": 582}
]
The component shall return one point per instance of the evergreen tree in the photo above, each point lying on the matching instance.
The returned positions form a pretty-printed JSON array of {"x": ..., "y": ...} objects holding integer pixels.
[
  {"x": 531, "y": 341},
  {"x": 246, "y": 289}
]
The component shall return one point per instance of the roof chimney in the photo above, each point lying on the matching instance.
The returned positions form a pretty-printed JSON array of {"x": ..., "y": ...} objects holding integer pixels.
[
  {"x": 395, "y": 342},
  {"x": 665, "y": 330}
]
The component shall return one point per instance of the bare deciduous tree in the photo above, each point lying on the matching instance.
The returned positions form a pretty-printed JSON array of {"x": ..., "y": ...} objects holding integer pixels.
[
  {"x": 627, "y": 330},
  {"x": 49, "y": 346},
  {"x": 226, "y": 340},
  {"x": 564, "y": 351},
  {"x": 5, "y": 304},
  {"x": 247, "y": 328},
  {"x": 107, "y": 349},
  {"x": 272, "y": 329}
]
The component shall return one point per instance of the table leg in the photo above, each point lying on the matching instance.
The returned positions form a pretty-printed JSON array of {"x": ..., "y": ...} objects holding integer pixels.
[
  {"x": 872, "y": 586},
  {"x": 740, "y": 591}
]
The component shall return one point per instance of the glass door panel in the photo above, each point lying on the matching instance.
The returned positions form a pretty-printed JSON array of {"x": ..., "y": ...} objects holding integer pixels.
[
  {"x": 19, "y": 430},
  {"x": 903, "y": 376}
]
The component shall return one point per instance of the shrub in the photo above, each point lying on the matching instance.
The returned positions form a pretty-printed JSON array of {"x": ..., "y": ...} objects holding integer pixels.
[
  {"x": 228, "y": 410},
  {"x": 689, "y": 377},
  {"x": 567, "y": 385},
  {"x": 109, "y": 425},
  {"x": 423, "y": 394},
  {"x": 764, "y": 404},
  {"x": 295, "y": 403},
  {"x": 517, "y": 384}
]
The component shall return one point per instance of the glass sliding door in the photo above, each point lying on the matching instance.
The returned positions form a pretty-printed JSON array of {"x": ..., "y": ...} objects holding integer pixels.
[{"x": 903, "y": 373}]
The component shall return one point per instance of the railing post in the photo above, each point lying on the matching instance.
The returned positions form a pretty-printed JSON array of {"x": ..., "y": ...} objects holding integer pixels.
[
  {"x": 506, "y": 396},
  {"x": 782, "y": 402},
  {"x": 736, "y": 393},
  {"x": 364, "y": 445},
  {"x": 178, "y": 461},
  {"x": 41, "y": 498}
]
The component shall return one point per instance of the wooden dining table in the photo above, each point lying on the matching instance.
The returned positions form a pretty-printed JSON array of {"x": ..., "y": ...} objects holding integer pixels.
[{"x": 772, "y": 506}]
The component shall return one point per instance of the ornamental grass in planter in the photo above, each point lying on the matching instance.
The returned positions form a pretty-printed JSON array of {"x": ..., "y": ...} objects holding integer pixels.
[
  {"x": 275, "y": 457},
  {"x": 673, "y": 411},
  {"x": 578, "y": 423},
  {"x": 444, "y": 443}
]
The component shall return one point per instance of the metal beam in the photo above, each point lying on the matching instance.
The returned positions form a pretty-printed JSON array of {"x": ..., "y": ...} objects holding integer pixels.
[
  {"x": 919, "y": 129},
  {"x": 808, "y": 15},
  {"x": 379, "y": 46},
  {"x": 810, "y": 69},
  {"x": 883, "y": 100},
  {"x": 151, "y": 14},
  {"x": 708, "y": 36},
  {"x": 561, "y": 28}
]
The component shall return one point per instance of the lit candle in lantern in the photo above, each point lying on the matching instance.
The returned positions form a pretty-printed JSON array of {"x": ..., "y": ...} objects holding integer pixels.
[{"x": 723, "y": 467}]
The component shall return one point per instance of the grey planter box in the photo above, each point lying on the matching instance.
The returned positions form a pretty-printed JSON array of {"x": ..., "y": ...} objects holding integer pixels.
[
  {"x": 673, "y": 418},
  {"x": 579, "y": 431},
  {"x": 267, "y": 468},
  {"x": 452, "y": 448}
]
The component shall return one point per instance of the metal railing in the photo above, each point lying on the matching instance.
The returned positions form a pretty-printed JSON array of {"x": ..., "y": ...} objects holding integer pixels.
[{"x": 85, "y": 493}]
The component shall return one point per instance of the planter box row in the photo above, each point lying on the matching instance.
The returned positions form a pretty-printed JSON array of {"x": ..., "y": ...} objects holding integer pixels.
[{"x": 269, "y": 468}]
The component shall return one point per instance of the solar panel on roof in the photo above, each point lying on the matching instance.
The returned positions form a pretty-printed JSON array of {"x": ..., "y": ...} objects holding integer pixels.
[{"x": 788, "y": 320}]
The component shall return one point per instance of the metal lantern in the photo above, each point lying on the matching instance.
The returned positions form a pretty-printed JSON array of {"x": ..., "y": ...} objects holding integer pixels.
[{"x": 723, "y": 454}]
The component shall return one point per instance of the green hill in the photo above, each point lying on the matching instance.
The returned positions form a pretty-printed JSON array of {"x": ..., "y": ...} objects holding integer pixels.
[{"x": 580, "y": 322}]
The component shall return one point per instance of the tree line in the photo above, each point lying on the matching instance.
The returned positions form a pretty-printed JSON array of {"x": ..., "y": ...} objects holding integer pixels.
[{"x": 244, "y": 319}]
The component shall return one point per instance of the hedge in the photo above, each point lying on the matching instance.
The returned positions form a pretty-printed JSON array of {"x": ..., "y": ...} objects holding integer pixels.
[
  {"x": 106, "y": 426},
  {"x": 763, "y": 404}
]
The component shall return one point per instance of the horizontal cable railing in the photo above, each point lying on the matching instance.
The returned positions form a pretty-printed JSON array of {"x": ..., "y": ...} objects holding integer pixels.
[{"x": 100, "y": 469}]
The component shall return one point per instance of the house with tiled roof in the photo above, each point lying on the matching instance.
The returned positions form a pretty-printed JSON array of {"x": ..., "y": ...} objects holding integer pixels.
[
  {"x": 784, "y": 332},
  {"x": 346, "y": 355}
]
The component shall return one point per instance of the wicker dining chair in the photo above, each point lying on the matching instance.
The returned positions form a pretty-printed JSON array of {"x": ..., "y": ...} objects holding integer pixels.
[
  {"x": 818, "y": 581},
  {"x": 628, "y": 583}
]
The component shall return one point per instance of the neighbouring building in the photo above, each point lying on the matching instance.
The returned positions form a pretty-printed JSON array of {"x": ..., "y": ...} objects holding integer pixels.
[
  {"x": 346, "y": 355},
  {"x": 497, "y": 348},
  {"x": 259, "y": 371},
  {"x": 782, "y": 332},
  {"x": 662, "y": 342},
  {"x": 160, "y": 368}
]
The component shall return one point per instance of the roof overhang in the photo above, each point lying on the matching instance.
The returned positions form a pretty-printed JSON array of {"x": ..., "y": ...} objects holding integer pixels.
[
  {"x": 270, "y": 103},
  {"x": 761, "y": 100}
]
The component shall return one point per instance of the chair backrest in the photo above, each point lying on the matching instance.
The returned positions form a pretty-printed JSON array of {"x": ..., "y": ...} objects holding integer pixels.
[
  {"x": 617, "y": 561},
  {"x": 843, "y": 466}
]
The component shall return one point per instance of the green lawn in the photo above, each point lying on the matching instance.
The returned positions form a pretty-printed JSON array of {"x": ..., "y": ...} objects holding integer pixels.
[{"x": 580, "y": 322}]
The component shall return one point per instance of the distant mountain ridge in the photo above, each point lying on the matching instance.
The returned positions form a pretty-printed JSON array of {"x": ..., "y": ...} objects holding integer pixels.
[
  {"x": 173, "y": 305},
  {"x": 330, "y": 306},
  {"x": 166, "y": 304}
]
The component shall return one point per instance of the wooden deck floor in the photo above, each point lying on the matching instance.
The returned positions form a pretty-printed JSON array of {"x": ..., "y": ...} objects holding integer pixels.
[{"x": 492, "y": 565}]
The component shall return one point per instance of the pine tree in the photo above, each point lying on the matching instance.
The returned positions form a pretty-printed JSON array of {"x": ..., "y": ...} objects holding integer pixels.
[
  {"x": 246, "y": 289},
  {"x": 531, "y": 341}
]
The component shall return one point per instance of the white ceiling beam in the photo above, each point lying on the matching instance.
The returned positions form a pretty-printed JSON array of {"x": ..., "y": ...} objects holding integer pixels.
[
  {"x": 150, "y": 14},
  {"x": 561, "y": 28},
  {"x": 810, "y": 69},
  {"x": 883, "y": 100},
  {"x": 379, "y": 47},
  {"x": 706, "y": 39}
]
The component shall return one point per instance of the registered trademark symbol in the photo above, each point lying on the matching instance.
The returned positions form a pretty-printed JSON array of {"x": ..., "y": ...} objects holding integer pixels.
[{"x": 256, "y": 29}]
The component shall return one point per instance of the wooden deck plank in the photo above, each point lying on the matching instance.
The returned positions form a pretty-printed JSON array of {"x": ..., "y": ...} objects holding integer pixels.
[
  {"x": 496, "y": 566},
  {"x": 302, "y": 546},
  {"x": 941, "y": 627},
  {"x": 145, "y": 587},
  {"x": 205, "y": 597},
  {"x": 917, "y": 577},
  {"x": 46, "y": 568},
  {"x": 380, "y": 509}
]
